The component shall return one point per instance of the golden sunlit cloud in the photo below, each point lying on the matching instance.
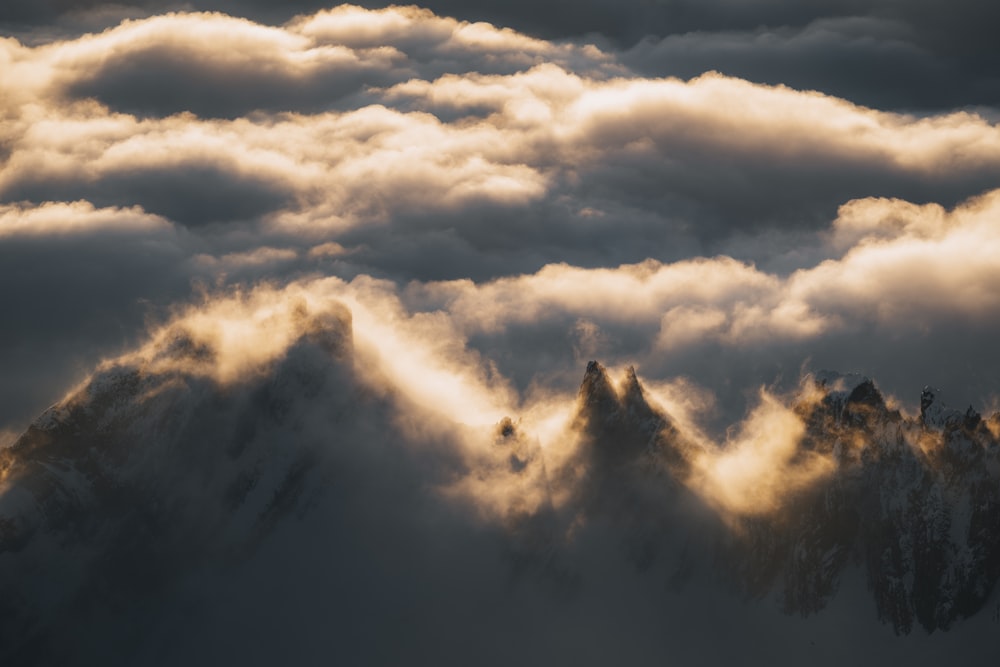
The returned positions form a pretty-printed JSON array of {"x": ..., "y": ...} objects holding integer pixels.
[
  {"x": 763, "y": 465},
  {"x": 546, "y": 125}
]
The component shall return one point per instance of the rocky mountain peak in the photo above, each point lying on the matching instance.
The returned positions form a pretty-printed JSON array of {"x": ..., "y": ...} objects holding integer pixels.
[
  {"x": 848, "y": 399},
  {"x": 866, "y": 393},
  {"x": 605, "y": 406},
  {"x": 597, "y": 388},
  {"x": 621, "y": 427},
  {"x": 935, "y": 414}
]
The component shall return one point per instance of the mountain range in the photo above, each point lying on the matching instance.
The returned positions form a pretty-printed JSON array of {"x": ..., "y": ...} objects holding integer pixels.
[{"x": 158, "y": 501}]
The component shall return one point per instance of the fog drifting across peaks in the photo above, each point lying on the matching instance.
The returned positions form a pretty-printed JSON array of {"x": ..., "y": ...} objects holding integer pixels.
[
  {"x": 400, "y": 320},
  {"x": 317, "y": 448}
]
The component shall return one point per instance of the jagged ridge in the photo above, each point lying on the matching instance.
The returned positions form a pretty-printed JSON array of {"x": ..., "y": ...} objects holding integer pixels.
[{"x": 914, "y": 503}]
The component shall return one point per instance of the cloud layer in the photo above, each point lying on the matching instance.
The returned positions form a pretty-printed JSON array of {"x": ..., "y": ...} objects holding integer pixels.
[{"x": 542, "y": 197}]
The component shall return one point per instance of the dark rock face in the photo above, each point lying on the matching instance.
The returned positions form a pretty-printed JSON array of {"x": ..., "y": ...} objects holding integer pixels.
[
  {"x": 909, "y": 502},
  {"x": 618, "y": 427}
]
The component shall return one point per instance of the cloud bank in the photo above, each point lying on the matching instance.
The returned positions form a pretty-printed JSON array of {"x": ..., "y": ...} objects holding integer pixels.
[{"x": 545, "y": 198}]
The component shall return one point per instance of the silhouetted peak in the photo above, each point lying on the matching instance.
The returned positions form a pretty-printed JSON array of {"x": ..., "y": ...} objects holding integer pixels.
[
  {"x": 633, "y": 398},
  {"x": 631, "y": 389},
  {"x": 850, "y": 395},
  {"x": 927, "y": 397},
  {"x": 619, "y": 422},
  {"x": 972, "y": 418},
  {"x": 596, "y": 388},
  {"x": 839, "y": 386},
  {"x": 595, "y": 370},
  {"x": 866, "y": 393},
  {"x": 935, "y": 413}
]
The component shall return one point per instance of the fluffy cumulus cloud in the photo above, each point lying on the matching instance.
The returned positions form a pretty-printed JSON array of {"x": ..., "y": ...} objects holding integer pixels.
[{"x": 717, "y": 198}]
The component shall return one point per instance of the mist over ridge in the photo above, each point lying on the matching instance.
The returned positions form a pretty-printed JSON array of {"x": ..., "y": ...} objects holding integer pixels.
[{"x": 190, "y": 454}]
